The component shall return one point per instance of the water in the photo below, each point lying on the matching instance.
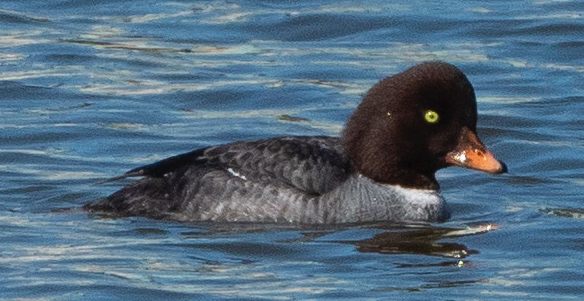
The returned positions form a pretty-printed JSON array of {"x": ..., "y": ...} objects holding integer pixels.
[{"x": 90, "y": 89}]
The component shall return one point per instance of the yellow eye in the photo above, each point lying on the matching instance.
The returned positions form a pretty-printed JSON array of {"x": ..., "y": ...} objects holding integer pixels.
[{"x": 431, "y": 116}]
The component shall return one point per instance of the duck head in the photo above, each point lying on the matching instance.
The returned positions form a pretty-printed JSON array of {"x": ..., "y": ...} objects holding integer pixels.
[{"x": 413, "y": 123}]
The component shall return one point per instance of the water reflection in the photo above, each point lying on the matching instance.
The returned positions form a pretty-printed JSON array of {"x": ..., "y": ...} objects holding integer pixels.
[
  {"x": 387, "y": 238},
  {"x": 423, "y": 241}
]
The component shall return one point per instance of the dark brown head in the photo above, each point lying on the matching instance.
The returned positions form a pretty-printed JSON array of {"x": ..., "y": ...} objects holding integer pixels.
[{"x": 413, "y": 123}]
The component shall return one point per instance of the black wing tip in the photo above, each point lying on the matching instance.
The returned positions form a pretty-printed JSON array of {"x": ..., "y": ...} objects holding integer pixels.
[{"x": 138, "y": 172}]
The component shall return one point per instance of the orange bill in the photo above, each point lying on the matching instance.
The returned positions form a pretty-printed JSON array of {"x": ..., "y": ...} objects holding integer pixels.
[{"x": 472, "y": 153}]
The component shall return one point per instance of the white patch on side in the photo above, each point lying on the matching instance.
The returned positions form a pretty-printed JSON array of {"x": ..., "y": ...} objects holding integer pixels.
[
  {"x": 421, "y": 197},
  {"x": 423, "y": 204},
  {"x": 401, "y": 204},
  {"x": 235, "y": 173}
]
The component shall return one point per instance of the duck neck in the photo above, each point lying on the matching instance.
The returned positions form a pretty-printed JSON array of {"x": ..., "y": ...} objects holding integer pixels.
[
  {"x": 403, "y": 177},
  {"x": 417, "y": 176}
]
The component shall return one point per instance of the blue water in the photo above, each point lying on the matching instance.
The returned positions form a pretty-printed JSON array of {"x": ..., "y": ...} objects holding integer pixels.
[{"x": 90, "y": 89}]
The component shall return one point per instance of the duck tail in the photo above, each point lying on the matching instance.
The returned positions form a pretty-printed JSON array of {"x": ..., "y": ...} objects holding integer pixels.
[{"x": 148, "y": 197}]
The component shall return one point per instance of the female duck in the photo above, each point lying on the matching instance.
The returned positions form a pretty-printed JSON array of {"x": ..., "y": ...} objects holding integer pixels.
[{"x": 382, "y": 168}]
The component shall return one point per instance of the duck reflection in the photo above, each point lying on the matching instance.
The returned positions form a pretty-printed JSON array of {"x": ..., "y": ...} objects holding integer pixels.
[
  {"x": 423, "y": 241},
  {"x": 394, "y": 239}
]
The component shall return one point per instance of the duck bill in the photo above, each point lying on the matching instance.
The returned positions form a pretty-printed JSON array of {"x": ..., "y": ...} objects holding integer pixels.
[{"x": 472, "y": 153}]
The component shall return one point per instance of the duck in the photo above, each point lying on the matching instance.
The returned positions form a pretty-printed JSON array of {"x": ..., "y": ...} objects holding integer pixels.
[{"x": 380, "y": 168}]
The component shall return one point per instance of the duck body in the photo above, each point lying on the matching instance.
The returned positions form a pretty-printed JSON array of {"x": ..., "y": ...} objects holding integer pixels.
[
  {"x": 381, "y": 169},
  {"x": 287, "y": 179}
]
